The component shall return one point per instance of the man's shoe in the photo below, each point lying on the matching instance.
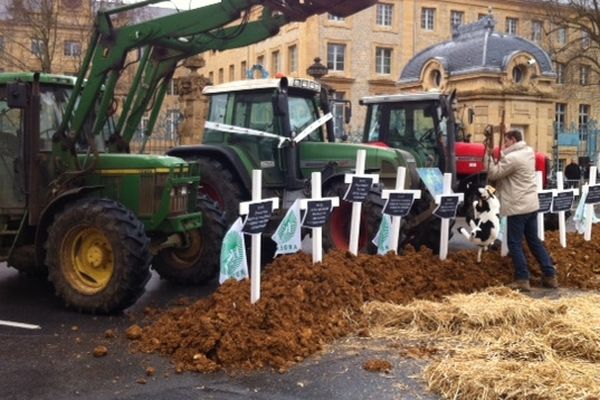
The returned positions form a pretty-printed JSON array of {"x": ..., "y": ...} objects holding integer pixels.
[
  {"x": 550, "y": 282},
  {"x": 521, "y": 285}
]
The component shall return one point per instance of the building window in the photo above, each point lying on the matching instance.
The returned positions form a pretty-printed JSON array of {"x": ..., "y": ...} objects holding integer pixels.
[
  {"x": 428, "y": 19},
  {"x": 383, "y": 60},
  {"x": 384, "y": 14},
  {"x": 561, "y": 35},
  {"x": 560, "y": 73},
  {"x": 171, "y": 123},
  {"x": 293, "y": 59},
  {"x": 336, "y": 56},
  {"x": 275, "y": 64},
  {"x": 457, "y": 18},
  {"x": 560, "y": 115},
  {"x": 536, "y": 31},
  {"x": 37, "y": 47},
  {"x": 1, "y": 43},
  {"x": 584, "y": 74},
  {"x": 481, "y": 16},
  {"x": 332, "y": 17},
  {"x": 72, "y": 48},
  {"x": 171, "y": 88},
  {"x": 260, "y": 60},
  {"x": 231, "y": 72},
  {"x": 211, "y": 77},
  {"x": 244, "y": 69},
  {"x": 511, "y": 26},
  {"x": 584, "y": 116},
  {"x": 221, "y": 75},
  {"x": 585, "y": 39}
]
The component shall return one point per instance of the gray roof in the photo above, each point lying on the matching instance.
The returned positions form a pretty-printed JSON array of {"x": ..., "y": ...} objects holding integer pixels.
[{"x": 474, "y": 48}]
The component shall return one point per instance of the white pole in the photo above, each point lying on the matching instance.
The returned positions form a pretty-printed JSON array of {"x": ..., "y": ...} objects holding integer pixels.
[
  {"x": 539, "y": 182},
  {"x": 357, "y": 206},
  {"x": 19, "y": 325},
  {"x": 400, "y": 178},
  {"x": 504, "y": 243},
  {"x": 589, "y": 208},
  {"x": 561, "y": 214},
  {"x": 317, "y": 233},
  {"x": 255, "y": 266},
  {"x": 445, "y": 224}
]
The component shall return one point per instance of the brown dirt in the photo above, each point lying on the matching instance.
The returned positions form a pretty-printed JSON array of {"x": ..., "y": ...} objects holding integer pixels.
[
  {"x": 303, "y": 307},
  {"x": 377, "y": 365}
]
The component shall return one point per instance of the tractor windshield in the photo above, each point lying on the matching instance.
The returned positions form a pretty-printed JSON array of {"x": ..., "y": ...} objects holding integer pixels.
[
  {"x": 53, "y": 101},
  {"x": 413, "y": 126},
  {"x": 254, "y": 110}
]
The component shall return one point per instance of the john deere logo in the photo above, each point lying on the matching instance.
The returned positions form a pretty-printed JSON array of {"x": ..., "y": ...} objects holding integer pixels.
[{"x": 232, "y": 255}]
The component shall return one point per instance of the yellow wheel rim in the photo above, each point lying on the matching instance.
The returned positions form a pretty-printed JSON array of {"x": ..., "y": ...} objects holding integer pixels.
[{"x": 87, "y": 259}]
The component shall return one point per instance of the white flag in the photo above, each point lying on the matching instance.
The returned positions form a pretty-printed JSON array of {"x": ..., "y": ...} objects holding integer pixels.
[
  {"x": 233, "y": 254},
  {"x": 384, "y": 235},
  {"x": 287, "y": 236}
]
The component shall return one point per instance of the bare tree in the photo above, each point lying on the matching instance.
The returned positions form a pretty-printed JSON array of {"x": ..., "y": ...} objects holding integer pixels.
[{"x": 575, "y": 36}]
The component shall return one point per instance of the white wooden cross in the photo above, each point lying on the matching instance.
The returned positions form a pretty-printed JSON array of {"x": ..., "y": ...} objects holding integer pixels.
[
  {"x": 396, "y": 220},
  {"x": 445, "y": 225},
  {"x": 256, "y": 238},
  {"x": 589, "y": 207},
  {"x": 357, "y": 206},
  {"x": 317, "y": 233},
  {"x": 562, "y": 229}
]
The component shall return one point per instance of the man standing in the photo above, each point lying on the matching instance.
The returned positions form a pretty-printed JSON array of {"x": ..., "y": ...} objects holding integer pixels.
[
  {"x": 573, "y": 174},
  {"x": 514, "y": 175}
]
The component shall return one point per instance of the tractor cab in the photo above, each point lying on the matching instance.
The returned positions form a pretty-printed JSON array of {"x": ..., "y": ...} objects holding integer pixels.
[{"x": 413, "y": 122}]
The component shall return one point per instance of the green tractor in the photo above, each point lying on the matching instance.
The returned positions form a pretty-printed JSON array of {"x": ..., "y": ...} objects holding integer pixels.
[
  {"x": 95, "y": 229},
  {"x": 275, "y": 125}
]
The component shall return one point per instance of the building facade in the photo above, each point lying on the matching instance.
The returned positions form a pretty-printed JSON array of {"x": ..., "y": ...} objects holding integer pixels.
[{"x": 367, "y": 52}]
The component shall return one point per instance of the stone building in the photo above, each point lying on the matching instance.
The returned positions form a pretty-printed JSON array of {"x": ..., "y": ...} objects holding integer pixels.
[{"x": 367, "y": 52}]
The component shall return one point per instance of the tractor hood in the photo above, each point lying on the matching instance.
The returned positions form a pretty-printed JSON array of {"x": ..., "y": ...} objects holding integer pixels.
[
  {"x": 123, "y": 162},
  {"x": 317, "y": 156}
]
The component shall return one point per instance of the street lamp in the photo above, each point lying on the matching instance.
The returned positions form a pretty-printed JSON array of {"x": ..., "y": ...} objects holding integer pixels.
[{"x": 317, "y": 70}]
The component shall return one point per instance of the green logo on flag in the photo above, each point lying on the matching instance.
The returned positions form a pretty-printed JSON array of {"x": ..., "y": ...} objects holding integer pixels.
[{"x": 233, "y": 254}]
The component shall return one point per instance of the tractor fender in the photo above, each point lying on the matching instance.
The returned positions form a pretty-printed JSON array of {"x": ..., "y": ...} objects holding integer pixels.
[
  {"x": 47, "y": 215},
  {"x": 225, "y": 155}
]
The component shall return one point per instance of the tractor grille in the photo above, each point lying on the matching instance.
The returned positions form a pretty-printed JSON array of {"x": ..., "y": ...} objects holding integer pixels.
[{"x": 153, "y": 187}]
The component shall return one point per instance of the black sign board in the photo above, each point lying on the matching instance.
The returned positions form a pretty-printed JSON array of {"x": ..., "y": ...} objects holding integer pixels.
[
  {"x": 359, "y": 189},
  {"x": 593, "y": 196},
  {"x": 398, "y": 204},
  {"x": 258, "y": 217},
  {"x": 317, "y": 213},
  {"x": 545, "y": 199},
  {"x": 563, "y": 201},
  {"x": 447, "y": 207}
]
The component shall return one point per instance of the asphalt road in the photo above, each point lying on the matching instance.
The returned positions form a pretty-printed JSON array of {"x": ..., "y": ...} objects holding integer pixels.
[{"x": 56, "y": 361}]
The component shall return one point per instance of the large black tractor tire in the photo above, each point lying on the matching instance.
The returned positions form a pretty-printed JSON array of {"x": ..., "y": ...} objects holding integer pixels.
[
  {"x": 98, "y": 256},
  {"x": 336, "y": 233},
  {"x": 219, "y": 184},
  {"x": 428, "y": 234},
  {"x": 199, "y": 261}
]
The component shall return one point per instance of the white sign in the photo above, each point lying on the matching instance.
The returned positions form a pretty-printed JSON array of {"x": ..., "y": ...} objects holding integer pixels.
[{"x": 233, "y": 254}]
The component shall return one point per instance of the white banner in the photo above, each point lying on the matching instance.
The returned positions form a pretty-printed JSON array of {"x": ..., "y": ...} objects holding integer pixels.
[
  {"x": 288, "y": 236},
  {"x": 384, "y": 234},
  {"x": 233, "y": 254}
]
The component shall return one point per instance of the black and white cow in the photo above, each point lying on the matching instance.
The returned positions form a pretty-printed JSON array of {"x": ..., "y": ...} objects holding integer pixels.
[{"x": 485, "y": 225}]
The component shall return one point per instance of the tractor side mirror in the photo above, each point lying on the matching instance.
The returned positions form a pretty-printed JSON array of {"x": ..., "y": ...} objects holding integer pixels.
[
  {"x": 16, "y": 95},
  {"x": 280, "y": 104}
]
